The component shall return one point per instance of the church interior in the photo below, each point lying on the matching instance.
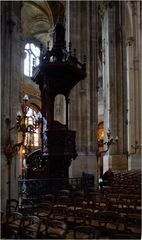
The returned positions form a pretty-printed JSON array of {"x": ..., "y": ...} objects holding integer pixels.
[{"x": 71, "y": 119}]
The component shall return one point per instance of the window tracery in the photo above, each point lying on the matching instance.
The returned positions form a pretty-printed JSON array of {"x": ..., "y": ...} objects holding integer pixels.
[{"x": 32, "y": 53}]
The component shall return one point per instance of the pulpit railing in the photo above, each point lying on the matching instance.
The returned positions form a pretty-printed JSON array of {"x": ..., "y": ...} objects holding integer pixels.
[{"x": 35, "y": 188}]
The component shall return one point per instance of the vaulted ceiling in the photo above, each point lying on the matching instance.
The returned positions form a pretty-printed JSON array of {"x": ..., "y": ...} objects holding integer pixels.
[{"x": 39, "y": 19}]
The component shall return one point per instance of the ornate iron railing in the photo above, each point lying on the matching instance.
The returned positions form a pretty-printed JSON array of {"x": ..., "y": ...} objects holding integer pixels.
[{"x": 35, "y": 188}]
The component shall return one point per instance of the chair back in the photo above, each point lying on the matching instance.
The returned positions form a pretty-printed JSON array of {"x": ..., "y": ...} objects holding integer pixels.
[
  {"x": 27, "y": 207},
  {"x": 56, "y": 229},
  {"x": 31, "y": 227},
  {"x": 83, "y": 216},
  {"x": 13, "y": 224},
  {"x": 49, "y": 198},
  {"x": 12, "y": 205},
  {"x": 60, "y": 213},
  {"x": 85, "y": 232},
  {"x": 44, "y": 211},
  {"x": 63, "y": 200},
  {"x": 133, "y": 223}
]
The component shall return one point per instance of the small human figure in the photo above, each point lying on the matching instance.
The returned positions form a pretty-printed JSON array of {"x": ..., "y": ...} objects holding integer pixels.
[{"x": 107, "y": 177}]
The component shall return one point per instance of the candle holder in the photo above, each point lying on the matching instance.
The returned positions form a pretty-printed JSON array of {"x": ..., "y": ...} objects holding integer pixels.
[
  {"x": 110, "y": 140},
  {"x": 22, "y": 125},
  {"x": 136, "y": 146}
]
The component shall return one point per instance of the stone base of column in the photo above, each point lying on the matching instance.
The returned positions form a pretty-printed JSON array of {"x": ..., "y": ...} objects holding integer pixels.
[
  {"x": 118, "y": 162},
  {"x": 84, "y": 163}
]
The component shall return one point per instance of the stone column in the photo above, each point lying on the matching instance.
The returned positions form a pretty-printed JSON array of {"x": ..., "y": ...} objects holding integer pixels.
[
  {"x": 115, "y": 88},
  {"x": 134, "y": 70},
  {"x": 83, "y": 100},
  {"x": 11, "y": 76}
]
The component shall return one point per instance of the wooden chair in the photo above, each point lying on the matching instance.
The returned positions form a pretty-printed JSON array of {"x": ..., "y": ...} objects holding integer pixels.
[
  {"x": 12, "y": 205},
  {"x": 90, "y": 199},
  {"x": 78, "y": 194},
  {"x": 44, "y": 211},
  {"x": 108, "y": 222},
  {"x": 50, "y": 198},
  {"x": 59, "y": 213},
  {"x": 64, "y": 192},
  {"x": 27, "y": 207},
  {"x": 101, "y": 205},
  {"x": 13, "y": 224},
  {"x": 85, "y": 232},
  {"x": 95, "y": 220},
  {"x": 78, "y": 202},
  {"x": 83, "y": 216},
  {"x": 30, "y": 227},
  {"x": 79, "y": 216},
  {"x": 56, "y": 229},
  {"x": 63, "y": 200},
  {"x": 120, "y": 206},
  {"x": 133, "y": 224},
  {"x": 135, "y": 206}
]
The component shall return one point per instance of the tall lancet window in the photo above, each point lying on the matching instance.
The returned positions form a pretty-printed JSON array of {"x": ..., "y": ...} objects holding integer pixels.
[{"x": 32, "y": 53}]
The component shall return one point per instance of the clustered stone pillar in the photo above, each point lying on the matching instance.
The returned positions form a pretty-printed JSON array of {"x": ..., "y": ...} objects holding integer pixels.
[
  {"x": 115, "y": 88},
  {"x": 11, "y": 75},
  {"x": 134, "y": 73},
  {"x": 83, "y": 108}
]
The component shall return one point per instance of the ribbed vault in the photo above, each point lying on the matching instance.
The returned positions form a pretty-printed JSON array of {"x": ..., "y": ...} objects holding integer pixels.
[{"x": 39, "y": 18}]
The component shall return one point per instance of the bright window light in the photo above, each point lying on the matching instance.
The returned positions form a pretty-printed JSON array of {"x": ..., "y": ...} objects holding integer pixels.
[{"x": 32, "y": 52}]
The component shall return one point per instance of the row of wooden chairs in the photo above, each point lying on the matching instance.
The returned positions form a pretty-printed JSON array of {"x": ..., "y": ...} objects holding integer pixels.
[
  {"x": 105, "y": 223},
  {"x": 130, "y": 179},
  {"x": 18, "y": 226},
  {"x": 94, "y": 202},
  {"x": 32, "y": 227},
  {"x": 85, "y": 215},
  {"x": 121, "y": 220}
]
